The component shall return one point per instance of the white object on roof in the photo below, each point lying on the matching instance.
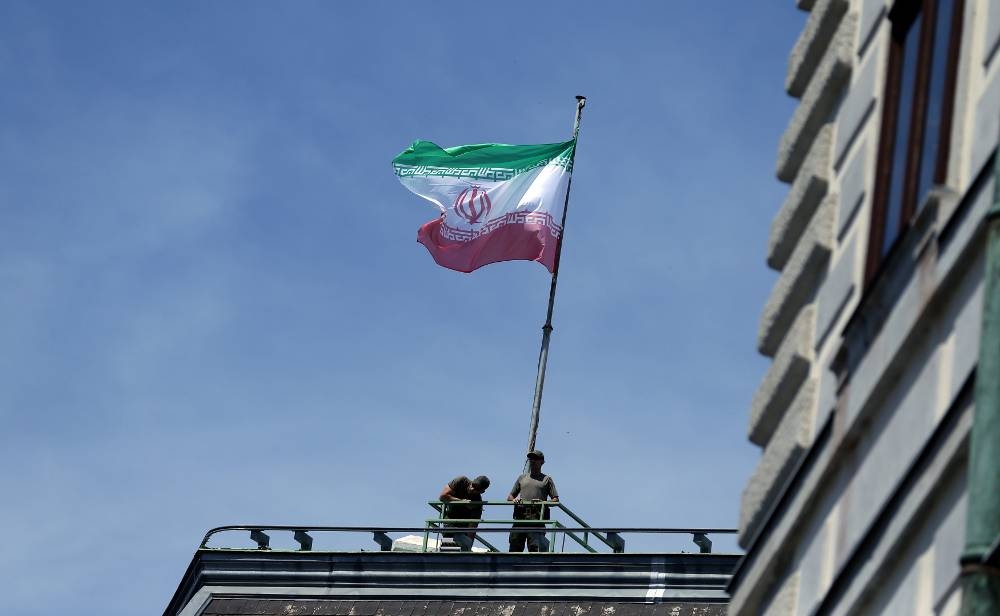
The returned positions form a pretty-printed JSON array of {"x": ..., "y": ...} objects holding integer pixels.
[{"x": 415, "y": 543}]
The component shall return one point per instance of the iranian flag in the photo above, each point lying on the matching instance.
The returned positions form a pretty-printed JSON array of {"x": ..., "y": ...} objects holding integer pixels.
[{"x": 498, "y": 202}]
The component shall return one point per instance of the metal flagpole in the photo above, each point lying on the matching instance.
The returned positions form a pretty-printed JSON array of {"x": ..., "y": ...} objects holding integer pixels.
[{"x": 543, "y": 354}]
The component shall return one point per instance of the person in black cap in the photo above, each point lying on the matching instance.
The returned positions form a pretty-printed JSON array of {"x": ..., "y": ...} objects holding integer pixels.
[
  {"x": 531, "y": 487},
  {"x": 464, "y": 501}
]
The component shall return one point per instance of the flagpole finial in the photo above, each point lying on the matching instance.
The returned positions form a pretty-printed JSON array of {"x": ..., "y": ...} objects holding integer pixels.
[{"x": 581, "y": 101}]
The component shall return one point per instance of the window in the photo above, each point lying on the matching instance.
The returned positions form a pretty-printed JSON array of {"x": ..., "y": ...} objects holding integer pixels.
[{"x": 916, "y": 117}]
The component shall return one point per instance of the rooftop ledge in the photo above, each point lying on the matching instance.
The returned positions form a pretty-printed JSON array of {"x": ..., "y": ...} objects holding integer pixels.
[
  {"x": 316, "y": 569},
  {"x": 695, "y": 578},
  {"x": 247, "y": 562}
]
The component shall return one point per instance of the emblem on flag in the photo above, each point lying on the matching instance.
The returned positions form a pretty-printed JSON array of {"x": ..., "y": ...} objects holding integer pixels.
[{"x": 472, "y": 206}]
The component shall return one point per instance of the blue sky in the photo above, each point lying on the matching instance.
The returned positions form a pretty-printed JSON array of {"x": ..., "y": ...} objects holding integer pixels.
[{"x": 213, "y": 309}]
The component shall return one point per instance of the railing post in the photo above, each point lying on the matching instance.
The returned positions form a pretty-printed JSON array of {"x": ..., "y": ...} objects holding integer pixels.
[
  {"x": 383, "y": 540},
  {"x": 261, "y": 538},
  {"x": 617, "y": 542},
  {"x": 703, "y": 542},
  {"x": 305, "y": 541}
]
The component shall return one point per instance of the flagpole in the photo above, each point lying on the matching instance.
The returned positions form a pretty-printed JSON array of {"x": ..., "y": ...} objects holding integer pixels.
[{"x": 543, "y": 354}]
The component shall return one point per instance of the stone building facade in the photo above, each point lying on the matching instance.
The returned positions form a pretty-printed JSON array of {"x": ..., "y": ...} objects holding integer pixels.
[{"x": 858, "y": 502}]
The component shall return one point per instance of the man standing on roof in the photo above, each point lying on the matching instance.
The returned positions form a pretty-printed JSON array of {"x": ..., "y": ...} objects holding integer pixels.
[
  {"x": 464, "y": 501},
  {"x": 532, "y": 486}
]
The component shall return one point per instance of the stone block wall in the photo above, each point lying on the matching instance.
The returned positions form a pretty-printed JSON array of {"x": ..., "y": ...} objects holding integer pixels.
[{"x": 863, "y": 417}]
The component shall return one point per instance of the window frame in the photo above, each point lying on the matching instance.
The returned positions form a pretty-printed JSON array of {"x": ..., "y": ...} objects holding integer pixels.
[{"x": 902, "y": 17}]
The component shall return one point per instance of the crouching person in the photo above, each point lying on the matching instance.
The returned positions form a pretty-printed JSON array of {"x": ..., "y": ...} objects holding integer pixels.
[{"x": 463, "y": 501}]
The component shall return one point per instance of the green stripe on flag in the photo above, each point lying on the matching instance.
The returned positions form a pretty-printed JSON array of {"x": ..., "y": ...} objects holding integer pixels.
[{"x": 485, "y": 160}]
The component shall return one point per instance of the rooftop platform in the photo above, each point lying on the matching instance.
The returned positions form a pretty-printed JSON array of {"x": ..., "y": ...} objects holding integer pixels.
[
  {"x": 287, "y": 570},
  {"x": 277, "y": 582},
  {"x": 265, "y": 582}
]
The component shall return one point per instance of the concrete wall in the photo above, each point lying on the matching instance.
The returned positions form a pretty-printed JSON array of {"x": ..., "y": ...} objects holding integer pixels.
[{"x": 858, "y": 504}]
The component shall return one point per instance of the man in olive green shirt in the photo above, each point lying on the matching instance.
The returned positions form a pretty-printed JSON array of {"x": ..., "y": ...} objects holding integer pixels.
[
  {"x": 532, "y": 486},
  {"x": 463, "y": 498}
]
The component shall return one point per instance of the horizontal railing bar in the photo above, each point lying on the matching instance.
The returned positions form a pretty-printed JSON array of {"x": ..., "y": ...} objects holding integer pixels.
[
  {"x": 421, "y": 529},
  {"x": 481, "y": 521},
  {"x": 406, "y": 529},
  {"x": 402, "y": 529},
  {"x": 547, "y": 503},
  {"x": 550, "y": 503}
]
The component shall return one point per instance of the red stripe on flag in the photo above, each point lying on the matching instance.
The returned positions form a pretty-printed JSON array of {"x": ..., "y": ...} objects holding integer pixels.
[{"x": 512, "y": 242}]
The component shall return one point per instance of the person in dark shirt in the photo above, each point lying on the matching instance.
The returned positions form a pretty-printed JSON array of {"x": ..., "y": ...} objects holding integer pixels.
[
  {"x": 463, "y": 500},
  {"x": 530, "y": 487}
]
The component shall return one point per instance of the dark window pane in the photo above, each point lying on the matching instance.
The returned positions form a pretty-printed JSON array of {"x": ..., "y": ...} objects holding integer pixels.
[
  {"x": 910, "y": 60},
  {"x": 935, "y": 99}
]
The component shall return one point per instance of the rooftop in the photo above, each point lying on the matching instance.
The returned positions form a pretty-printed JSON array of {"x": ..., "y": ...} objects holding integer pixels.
[{"x": 288, "y": 570}]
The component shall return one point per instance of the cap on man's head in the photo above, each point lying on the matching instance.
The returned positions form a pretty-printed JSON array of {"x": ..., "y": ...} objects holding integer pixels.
[
  {"x": 536, "y": 455},
  {"x": 481, "y": 482}
]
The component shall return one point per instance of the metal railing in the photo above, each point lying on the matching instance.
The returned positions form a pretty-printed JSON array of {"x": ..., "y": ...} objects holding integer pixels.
[{"x": 452, "y": 533}]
